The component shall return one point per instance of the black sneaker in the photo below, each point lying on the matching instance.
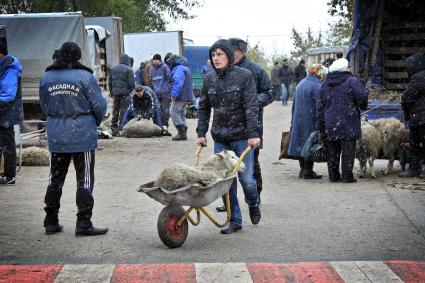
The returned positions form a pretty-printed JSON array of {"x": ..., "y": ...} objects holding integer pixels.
[
  {"x": 255, "y": 214},
  {"x": 232, "y": 228},
  {"x": 53, "y": 229},
  {"x": 7, "y": 181},
  {"x": 90, "y": 231}
]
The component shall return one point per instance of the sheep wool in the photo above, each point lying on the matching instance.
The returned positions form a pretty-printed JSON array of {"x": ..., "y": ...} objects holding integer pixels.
[
  {"x": 392, "y": 133},
  {"x": 141, "y": 129},
  {"x": 35, "y": 156},
  {"x": 178, "y": 175},
  {"x": 367, "y": 148}
]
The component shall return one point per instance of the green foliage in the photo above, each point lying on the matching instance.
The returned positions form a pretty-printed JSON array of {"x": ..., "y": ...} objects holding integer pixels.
[
  {"x": 340, "y": 31},
  {"x": 137, "y": 15},
  {"x": 302, "y": 43}
]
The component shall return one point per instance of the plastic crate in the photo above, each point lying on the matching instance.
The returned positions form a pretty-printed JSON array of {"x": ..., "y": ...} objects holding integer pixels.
[{"x": 197, "y": 81}]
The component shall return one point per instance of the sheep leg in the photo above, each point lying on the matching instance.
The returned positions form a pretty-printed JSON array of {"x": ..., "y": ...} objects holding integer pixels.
[
  {"x": 362, "y": 168},
  {"x": 389, "y": 167},
  {"x": 372, "y": 168}
]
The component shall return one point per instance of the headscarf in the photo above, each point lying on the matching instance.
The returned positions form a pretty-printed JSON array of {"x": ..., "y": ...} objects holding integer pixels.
[
  {"x": 339, "y": 65},
  {"x": 319, "y": 70}
]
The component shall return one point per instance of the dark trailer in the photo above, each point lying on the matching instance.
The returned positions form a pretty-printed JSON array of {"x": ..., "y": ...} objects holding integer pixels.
[{"x": 385, "y": 33}]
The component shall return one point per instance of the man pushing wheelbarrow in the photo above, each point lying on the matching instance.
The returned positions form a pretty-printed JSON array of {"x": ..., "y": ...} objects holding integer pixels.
[{"x": 231, "y": 92}]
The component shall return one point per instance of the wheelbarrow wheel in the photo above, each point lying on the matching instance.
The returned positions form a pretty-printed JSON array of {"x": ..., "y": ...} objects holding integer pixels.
[{"x": 170, "y": 235}]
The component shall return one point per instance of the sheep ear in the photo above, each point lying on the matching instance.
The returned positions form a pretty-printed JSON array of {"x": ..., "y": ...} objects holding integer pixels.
[{"x": 220, "y": 155}]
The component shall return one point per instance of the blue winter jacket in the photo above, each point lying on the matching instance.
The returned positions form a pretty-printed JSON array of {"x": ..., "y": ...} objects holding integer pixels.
[
  {"x": 75, "y": 106},
  {"x": 11, "y": 111},
  {"x": 182, "y": 88},
  {"x": 341, "y": 98},
  {"x": 303, "y": 113},
  {"x": 161, "y": 79}
]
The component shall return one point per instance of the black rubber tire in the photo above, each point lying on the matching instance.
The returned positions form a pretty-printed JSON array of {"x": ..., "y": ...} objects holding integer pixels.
[{"x": 169, "y": 235}]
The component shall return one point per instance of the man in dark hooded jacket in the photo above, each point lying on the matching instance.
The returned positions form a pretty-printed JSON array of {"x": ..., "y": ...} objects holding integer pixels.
[
  {"x": 231, "y": 92},
  {"x": 264, "y": 96},
  {"x": 121, "y": 84},
  {"x": 11, "y": 112},
  {"x": 286, "y": 77},
  {"x": 413, "y": 103},
  {"x": 300, "y": 72},
  {"x": 72, "y": 100}
]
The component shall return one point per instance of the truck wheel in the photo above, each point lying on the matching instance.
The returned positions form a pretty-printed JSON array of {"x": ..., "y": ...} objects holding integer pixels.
[{"x": 170, "y": 235}]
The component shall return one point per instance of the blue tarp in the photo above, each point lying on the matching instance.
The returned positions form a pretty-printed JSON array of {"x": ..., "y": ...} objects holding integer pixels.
[{"x": 197, "y": 56}]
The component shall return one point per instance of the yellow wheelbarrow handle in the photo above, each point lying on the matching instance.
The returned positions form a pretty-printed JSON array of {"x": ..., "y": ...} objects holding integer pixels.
[{"x": 241, "y": 158}]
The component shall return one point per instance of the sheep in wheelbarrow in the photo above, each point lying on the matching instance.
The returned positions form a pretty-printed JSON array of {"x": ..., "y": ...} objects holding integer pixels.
[{"x": 178, "y": 175}]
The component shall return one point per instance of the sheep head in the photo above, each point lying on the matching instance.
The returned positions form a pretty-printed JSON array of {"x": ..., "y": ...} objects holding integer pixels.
[{"x": 230, "y": 159}]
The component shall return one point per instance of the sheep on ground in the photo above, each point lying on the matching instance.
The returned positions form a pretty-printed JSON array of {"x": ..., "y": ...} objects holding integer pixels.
[
  {"x": 142, "y": 128},
  {"x": 367, "y": 148},
  {"x": 219, "y": 166},
  {"x": 392, "y": 133},
  {"x": 35, "y": 156}
]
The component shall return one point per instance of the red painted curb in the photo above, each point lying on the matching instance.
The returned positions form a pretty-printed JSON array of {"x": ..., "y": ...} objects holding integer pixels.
[
  {"x": 29, "y": 273},
  {"x": 154, "y": 273},
  {"x": 293, "y": 272},
  {"x": 408, "y": 271}
]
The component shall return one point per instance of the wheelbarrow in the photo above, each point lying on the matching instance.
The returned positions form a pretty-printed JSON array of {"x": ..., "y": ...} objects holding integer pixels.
[{"x": 173, "y": 219}]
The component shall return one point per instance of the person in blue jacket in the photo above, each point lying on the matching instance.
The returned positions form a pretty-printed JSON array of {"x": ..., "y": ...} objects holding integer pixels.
[
  {"x": 73, "y": 102},
  {"x": 303, "y": 121},
  {"x": 144, "y": 104},
  {"x": 181, "y": 94},
  {"x": 11, "y": 112},
  {"x": 161, "y": 85},
  {"x": 342, "y": 96}
]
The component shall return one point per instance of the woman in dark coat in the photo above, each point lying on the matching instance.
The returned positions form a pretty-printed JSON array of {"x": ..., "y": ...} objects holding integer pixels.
[
  {"x": 341, "y": 98},
  {"x": 304, "y": 117}
]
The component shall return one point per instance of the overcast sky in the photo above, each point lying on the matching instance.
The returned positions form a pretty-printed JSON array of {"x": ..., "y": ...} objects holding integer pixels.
[{"x": 266, "y": 21}]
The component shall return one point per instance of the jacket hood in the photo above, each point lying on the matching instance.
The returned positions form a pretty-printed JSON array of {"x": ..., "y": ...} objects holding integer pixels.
[
  {"x": 226, "y": 46},
  {"x": 125, "y": 59},
  {"x": 178, "y": 60},
  {"x": 336, "y": 78},
  {"x": 415, "y": 63},
  {"x": 12, "y": 63}
]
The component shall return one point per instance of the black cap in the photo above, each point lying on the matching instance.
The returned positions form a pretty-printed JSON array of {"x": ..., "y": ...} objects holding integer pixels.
[
  {"x": 55, "y": 54},
  {"x": 70, "y": 51},
  {"x": 156, "y": 57},
  {"x": 225, "y": 45},
  {"x": 238, "y": 43},
  {"x": 3, "y": 48}
]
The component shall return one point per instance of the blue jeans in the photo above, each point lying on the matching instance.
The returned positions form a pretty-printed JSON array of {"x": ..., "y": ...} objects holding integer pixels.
[
  {"x": 285, "y": 93},
  {"x": 246, "y": 178},
  {"x": 129, "y": 114}
]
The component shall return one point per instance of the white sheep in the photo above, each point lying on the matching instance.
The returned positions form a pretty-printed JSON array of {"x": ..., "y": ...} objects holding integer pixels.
[
  {"x": 392, "y": 133},
  {"x": 367, "y": 148},
  {"x": 178, "y": 175},
  {"x": 142, "y": 128},
  {"x": 35, "y": 156}
]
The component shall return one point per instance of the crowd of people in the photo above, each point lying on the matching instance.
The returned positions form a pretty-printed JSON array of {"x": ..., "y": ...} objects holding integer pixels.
[{"x": 328, "y": 100}]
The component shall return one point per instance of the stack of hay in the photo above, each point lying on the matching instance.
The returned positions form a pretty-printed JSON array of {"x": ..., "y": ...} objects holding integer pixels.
[{"x": 141, "y": 129}]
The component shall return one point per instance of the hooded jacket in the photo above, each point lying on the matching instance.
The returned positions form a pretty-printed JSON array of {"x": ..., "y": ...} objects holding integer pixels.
[
  {"x": 11, "y": 110},
  {"x": 182, "y": 86},
  {"x": 341, "y": 98},
  {"x": 286, "y": 74},
  {"x": 74, "y": 105},
  {"x": 161, "y": 79},
  {"x": 413, "y": 99},
  {"x": 263, "y": 85},
  {"x": 121, "y": 77},
  {"x": 232, "y": 94},
  {"x": 147, "y": 103}
]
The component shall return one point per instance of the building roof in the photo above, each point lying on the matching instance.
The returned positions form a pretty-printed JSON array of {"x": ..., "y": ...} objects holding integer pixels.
[{"x": 326, "y": 49}]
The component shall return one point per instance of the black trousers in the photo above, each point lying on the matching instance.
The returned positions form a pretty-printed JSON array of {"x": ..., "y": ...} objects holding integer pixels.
[
  {"x": 121, "y": 103},
  {"x": 346, "y": 150},
  {"x": 276, "y": 92},
  {"x": 8, "y": 149},
  {"x": 84, "y": 169},
  {"x": 165, "y": 103},
  {"x": 257, "y": 171},
  {"x": 417, "y": 145}
]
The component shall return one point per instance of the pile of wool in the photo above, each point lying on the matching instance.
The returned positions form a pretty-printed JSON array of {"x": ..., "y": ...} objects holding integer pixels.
[
  {"x": 141, "y": 129},
  {"x": 178, "y": 175},
  {"x": 35, "y": 156}
]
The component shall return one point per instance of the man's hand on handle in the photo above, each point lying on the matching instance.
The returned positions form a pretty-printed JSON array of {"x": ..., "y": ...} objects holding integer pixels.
[
  {"x": 254, "y": 142},
  {"x": 202, "y": 141}
]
